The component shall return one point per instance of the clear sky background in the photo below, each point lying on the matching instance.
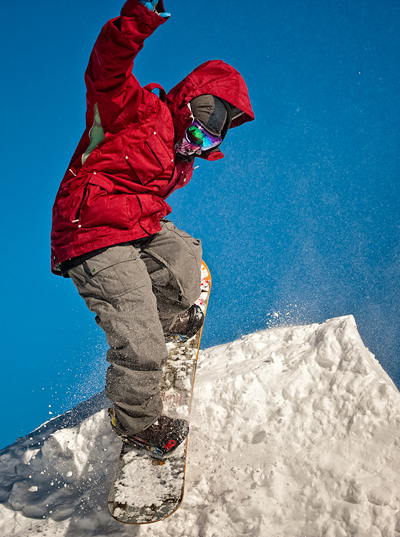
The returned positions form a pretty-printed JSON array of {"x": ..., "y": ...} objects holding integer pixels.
[{"x": 300, "y": 222}]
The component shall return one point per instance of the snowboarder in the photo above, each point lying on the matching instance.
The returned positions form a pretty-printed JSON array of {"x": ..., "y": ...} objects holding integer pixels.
[{"x": 135, "y": 270}]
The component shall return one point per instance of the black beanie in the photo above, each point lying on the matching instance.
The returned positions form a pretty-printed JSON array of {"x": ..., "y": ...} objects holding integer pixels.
[{"x": 212, "y": 113}]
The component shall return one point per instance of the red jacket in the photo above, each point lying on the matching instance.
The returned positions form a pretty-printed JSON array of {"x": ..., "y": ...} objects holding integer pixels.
[{"x": 115, "y": 191}]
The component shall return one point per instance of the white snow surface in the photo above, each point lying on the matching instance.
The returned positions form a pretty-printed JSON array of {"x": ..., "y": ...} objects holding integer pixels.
[{"x": 294, "y": 433}]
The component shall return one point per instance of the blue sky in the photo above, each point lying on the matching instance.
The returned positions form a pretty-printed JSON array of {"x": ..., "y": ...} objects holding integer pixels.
[{"x": 299, "y": 223}]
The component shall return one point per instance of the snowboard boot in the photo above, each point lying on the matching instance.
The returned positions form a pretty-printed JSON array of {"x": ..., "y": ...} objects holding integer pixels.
[
  {"x": 187, "y": 324},
  {"x": 160, "y": 439}
]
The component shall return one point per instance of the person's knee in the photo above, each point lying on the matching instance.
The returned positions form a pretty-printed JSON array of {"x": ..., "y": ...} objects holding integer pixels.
[
  {"x": 190, "y": 289},
  {"x": 181, "y": 255}
]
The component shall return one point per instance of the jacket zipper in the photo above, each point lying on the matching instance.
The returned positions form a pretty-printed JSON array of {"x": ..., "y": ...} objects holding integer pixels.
[{"x": 77, "y": 214}]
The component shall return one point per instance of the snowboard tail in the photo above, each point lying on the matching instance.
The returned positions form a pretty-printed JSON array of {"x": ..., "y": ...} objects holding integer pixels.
[
  {"x": 147, "y": 486},
  {"x": 148, "y": 489}
]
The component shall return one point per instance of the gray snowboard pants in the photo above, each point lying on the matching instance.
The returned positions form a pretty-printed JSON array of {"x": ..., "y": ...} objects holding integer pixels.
[{"x": 136, "y": 293}]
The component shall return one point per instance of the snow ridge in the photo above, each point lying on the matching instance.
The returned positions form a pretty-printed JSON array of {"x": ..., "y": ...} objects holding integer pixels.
[{"x": 294, "y": 433}]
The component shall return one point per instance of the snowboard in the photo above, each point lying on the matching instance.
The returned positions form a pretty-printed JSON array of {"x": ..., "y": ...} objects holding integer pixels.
[{"x": 147, "y": 489}]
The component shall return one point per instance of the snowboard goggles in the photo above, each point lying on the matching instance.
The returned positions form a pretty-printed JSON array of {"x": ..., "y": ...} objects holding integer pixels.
[{"x": 199, "y": 138}]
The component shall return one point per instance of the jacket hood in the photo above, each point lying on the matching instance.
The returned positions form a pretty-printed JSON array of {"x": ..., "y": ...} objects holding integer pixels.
[{"x": 213, "y": 77}]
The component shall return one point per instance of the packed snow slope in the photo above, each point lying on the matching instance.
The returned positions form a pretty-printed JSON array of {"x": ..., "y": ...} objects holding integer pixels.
[{"x": 294, "y": 433}]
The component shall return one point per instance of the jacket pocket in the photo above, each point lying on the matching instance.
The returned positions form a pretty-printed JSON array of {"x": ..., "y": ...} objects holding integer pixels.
[
  {"x": 150, "y": 160},
  {"x": 102, "y": 207},
  {"x": 68, "y": 201}
]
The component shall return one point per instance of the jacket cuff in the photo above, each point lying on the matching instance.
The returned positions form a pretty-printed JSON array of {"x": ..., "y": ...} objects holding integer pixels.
[
  {"x": 160, "y": 7},
  {"x": 145, "y": 17}
]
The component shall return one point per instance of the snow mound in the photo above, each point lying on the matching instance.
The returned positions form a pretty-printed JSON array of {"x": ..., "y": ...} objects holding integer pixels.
[{"x": 294, "y": 433}]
